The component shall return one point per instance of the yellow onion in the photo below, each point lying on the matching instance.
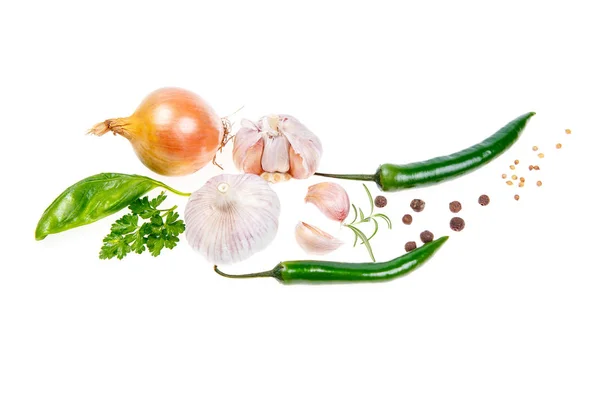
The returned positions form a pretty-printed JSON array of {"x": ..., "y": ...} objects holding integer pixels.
[{"x": 173, "y": 131}]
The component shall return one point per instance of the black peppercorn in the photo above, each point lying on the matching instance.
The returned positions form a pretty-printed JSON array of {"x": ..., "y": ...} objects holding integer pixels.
[
  {"x": 484, "y": 199},
  {"x": 417, "y": 205},
  {"x": 410, "y": 246},
  {"x": 426, "y": 236},
  {"x": 455, "y": 206},
  {"x": 407, "y": 219},
  {"x": 457, "y": 224},
  {"x": 380, "y": 201}
]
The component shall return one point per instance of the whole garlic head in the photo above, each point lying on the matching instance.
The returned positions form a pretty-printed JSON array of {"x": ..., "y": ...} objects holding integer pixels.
[
  {"x": 232, "y": 217},
  {"x": 277, "y": 145}
]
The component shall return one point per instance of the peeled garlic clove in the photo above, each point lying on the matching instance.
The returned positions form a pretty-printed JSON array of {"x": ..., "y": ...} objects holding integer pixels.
[
  {"x": 248, "y": 148},
  {"x": 331, "y": 199},
  {"x": 315, "y": 241},
  {"x": 232, "y": 217},
  {"x": 275, "y": 156},
  {"x": 305, "y": 147}
]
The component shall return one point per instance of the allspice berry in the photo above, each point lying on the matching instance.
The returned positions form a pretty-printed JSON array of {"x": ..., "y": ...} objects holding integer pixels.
[
  {"x": 457, "y": 224},
  {"x": 407, "y": 219},
  {"x": 455, "y": 206},
  {"x": 484, "y": 199},
  {"x": 426, "y": 236},
  {"x": 417, "y": 205},
  {"x": 380, "y": 201},
  {"x": 410, "y": 246}
]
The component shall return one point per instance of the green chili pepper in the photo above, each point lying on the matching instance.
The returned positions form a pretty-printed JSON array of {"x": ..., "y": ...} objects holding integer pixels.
[
  {"x": 330, "y": 271},
  {"x": 391, "y": 177},
  {"x": 94, "y": 198}
]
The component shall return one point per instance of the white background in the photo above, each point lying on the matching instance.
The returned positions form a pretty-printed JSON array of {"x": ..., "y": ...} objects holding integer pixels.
[{"x": 507, "y": 309}]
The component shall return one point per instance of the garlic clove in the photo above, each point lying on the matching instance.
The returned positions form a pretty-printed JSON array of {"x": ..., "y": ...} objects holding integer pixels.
[
  {"x": 248, "y": 148},
  {"x": 275, "y": 157},
  {"x": 305, "y": 147},
  {"x": 331, "y": 199},
  {"x": 232, "y": 217},
  {"x": 314, "y": 240}
]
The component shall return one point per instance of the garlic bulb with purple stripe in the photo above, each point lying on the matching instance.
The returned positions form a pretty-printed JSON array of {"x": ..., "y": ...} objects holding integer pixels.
[{"x": 232, "y": 217}]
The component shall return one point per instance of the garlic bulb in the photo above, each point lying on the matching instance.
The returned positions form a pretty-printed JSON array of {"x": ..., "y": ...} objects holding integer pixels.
[
  {"x": 314, "y": 240},
  {"x": 232, "y": 217},
  {"x": 331, "y": 199},
  {"x": 277, "y": 147}
]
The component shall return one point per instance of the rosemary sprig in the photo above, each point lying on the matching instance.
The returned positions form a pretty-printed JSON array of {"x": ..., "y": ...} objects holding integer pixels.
[{"x": 359, "y": 218}]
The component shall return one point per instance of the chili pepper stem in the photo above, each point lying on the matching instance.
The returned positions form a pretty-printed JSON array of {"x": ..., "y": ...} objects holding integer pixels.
[
  {"x": 352, "y": 177},
  {"x": 272, "y": 273}
]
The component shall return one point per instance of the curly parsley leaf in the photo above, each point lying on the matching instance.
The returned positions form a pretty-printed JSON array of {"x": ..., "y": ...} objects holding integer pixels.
[{"x": 160, "y": 230}]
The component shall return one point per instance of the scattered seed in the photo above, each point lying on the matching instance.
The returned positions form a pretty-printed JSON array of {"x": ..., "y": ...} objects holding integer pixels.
[
  {"x": 536, "y": 167},
  {"x": 503, "y": 176},
  {"x": 455, "y": 206},
  {"x": 521, "y": 184},
  {"x": 410, "y": 246},
  {"x": 516, "y": 162},
  {"x": 530, "y": 167},
  {"x": 380, "y": 201},
  {"x": 541, "y": 155},
  {"x": 568, "y": 131},
  {"x": 407, "y": 219},
  {"x": 509, "y": 183},
  {"x": 457, "y": 224},
  {"x": 558, "y": 145},
  {"x": 514, "y": 177},
  {"x": 522, "y": 179},
  {"x": 484, "y": 199},
  {"x": 512, "y": 167},
  {"x": 539, "y": 183},
  {"x": 426, "y": 236},
  {"x": 517, "y": 197},
  {"x": 534, "y": 148},
  {"x": 417, "y": 205}
]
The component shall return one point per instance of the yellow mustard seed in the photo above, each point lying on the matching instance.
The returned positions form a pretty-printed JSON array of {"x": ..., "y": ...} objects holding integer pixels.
[
  {"x": 503, "y": 176},
  {"x": 517, "y": 197},
  {"x": 534, "y": 148},
  {"x": 522, "y": 179},
  {"x": 530, "y": 167},
  {"x": 541, "y": 155},
  {"x": 516, "y": 162},
  {"x": 514, "y": 177},
  {"x": 536, "y": 167},
  {"x": 568, "y": 131},
  {"x": 539, "y": 183},
  {"x": 521, "y": 184},
  {"x": 512, "y": 167},
  {"x": 558, "y": 145},
  {"x": 509, "y": 183}
]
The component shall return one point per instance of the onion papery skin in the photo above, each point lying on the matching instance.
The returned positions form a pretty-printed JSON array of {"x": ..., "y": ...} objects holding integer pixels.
[{"x": 174, "y": 132}]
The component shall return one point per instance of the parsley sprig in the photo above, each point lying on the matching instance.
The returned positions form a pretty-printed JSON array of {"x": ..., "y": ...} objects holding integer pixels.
[{"x": 160, "y": 231}]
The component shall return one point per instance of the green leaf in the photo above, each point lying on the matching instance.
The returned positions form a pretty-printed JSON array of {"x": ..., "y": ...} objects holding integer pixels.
[
  {"x": 138, "y": 242},
  {"x": 370, "y": 199},
  {"x": 154, "y": 203},
  {"x": 114, "y": 246},
  {"x": 363, "y": 237},
  {"x": 362, "y": 216},
  {"x": 174, "y": 226},
  {"x": 140, "y": 205},
  {"x": 355, "y": 214},
  {"x": 156, "y": 220},
  {"x": 155, "y": 245},
  {"x": 171, "y": 242},
  {"x": 375, "y": 231},
  {"x": 386, "y": 218},
  {"x": 126, "y": 224}
]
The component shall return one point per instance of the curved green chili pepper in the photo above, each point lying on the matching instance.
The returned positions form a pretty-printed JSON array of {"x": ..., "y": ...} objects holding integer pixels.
[
  {"x": 94, "y": 198},
  {"x": 329, "y": 271},
  {"x": 391, "y": 177}
]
